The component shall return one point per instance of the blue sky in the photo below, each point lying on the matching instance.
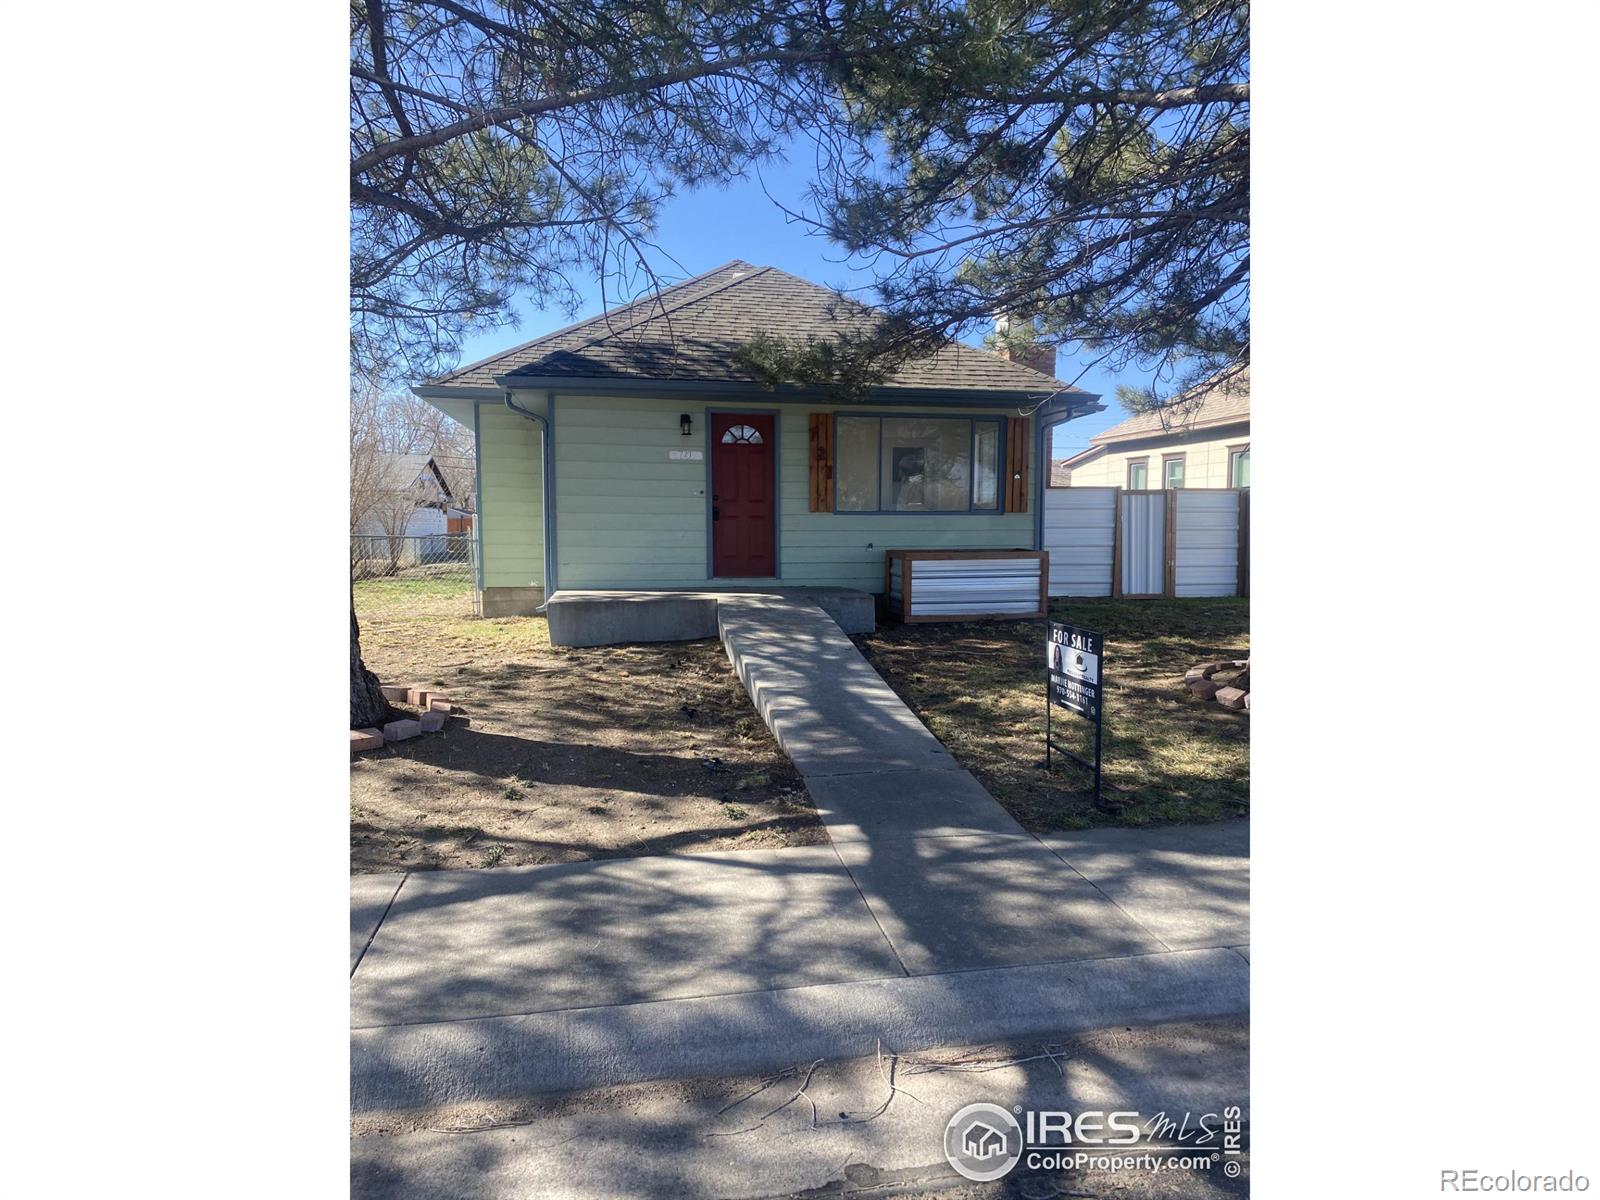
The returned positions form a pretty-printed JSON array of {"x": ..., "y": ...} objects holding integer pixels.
[{"x": 705, "y": 228}]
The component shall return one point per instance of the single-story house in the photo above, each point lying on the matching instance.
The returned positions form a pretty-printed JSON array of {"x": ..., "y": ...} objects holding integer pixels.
[
  {"x": 1203, "y": 446},
  {"x": 406, "y": 496},
  {"x": 631, "y": 451}
]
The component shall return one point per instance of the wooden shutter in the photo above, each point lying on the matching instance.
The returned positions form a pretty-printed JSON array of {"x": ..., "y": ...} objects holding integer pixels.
[
  {"x": 821, "y": 462},
  {"x": 1016, "y": 465}
]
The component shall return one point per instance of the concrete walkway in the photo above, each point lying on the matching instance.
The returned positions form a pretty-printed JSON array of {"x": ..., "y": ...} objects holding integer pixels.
[
  {"x": 873, "y": 769},
  {"x": 932, "y": 919}
]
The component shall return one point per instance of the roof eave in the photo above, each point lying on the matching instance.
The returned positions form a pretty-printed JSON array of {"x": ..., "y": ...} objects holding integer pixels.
[
  {"x": 1082, "y": 456},
  {"x": 1111, "y": 438},
  {"x": 1057, "y": 399},
  {"x": 456, "y": 391}
]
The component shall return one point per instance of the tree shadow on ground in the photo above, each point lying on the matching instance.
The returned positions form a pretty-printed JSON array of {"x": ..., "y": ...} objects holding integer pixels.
[{"x": 597, "y": 753}]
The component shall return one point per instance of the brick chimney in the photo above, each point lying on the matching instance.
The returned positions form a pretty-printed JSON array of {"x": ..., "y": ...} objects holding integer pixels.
[{"x": 1040, "y": 357}]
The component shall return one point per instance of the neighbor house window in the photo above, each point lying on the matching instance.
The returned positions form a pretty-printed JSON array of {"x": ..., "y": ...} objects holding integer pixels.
[
  {"x": 1138, "y": 474},
  {"x": 1172, "y": 471},
  {"x": 1239, "y": 467},
  {"x": 917, "y": 464}
]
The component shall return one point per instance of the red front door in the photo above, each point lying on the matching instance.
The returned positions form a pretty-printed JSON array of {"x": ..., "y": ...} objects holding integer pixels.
[{"x": 744, "y": 528}]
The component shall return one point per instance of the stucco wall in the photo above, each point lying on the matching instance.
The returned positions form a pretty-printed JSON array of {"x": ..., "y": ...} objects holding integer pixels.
[
  {"x": 1205, "y": 463},
  {"x": 629, "y": 515}
]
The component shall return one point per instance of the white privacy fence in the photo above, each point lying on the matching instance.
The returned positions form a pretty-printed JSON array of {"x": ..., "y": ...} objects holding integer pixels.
[
  {"x": 1206, "y": 560},
  {"x": 1115, "y": 542},
  {"x": 1079, "y": 525}
]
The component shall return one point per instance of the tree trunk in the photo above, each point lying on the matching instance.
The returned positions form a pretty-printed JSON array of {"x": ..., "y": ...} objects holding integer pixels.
[{"x": 368, "y": 708}]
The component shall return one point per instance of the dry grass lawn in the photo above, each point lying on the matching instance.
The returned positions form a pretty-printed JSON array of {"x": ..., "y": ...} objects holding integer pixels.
[
  {"x": 1167, "y": 755},
  {"x": 565, "y": 754}
]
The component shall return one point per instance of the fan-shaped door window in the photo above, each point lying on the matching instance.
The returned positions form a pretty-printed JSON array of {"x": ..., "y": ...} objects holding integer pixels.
[{"x": 742, "y": 435}]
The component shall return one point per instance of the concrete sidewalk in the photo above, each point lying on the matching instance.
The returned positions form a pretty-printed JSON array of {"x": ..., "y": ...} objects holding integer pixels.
[
  {"x": 877, "y": 1127},
  {"x": 480, "y": 985},
  {"x": 932, "y": 919}
]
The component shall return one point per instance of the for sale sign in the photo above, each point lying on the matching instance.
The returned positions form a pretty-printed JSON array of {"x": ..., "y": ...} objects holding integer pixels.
[
  {"x": 1073, "y": 656},
  {"x": 1074, "y": 662}
]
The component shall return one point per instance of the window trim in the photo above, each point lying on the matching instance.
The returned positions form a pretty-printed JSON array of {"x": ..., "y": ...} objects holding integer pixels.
[
  {"x": 999, "y": 505},
  {"x": 1128, "y": 473},
  {"x": 999, "y": 509},
  {"x": 1233, "y": 452},
  {"x": 1182, "y": 460}
]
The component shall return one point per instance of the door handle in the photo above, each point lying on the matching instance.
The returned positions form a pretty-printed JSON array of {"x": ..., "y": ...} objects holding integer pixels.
[{"x": 716, "y": 513}]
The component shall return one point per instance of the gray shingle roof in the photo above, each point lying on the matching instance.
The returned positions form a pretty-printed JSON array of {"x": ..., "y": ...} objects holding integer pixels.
[
  {"x": 691, "y": 330},
  {"x": 398, "y": 472},
  {"x": 1228, "y": 405}
]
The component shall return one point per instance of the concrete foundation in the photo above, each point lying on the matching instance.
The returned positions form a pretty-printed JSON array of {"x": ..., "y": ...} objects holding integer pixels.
[
  {"x": 511, "y": 601},
  {"x": 609, "y": 618}
]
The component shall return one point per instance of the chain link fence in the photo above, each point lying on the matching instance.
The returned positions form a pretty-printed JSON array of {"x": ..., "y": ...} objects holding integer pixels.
[{"x": 397, "y": 579}]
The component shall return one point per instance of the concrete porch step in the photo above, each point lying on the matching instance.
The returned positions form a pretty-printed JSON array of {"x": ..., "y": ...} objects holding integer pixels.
[{"x": 610, "y": 618}]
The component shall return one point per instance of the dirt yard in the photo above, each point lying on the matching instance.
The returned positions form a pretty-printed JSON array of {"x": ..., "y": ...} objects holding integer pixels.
[
  {"x": 1168, "y": 756},
  {"x": 566, "y": 754}
]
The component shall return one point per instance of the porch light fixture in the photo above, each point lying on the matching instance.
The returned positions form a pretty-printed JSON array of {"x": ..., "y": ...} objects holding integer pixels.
[{"x": 685, "y": 424}]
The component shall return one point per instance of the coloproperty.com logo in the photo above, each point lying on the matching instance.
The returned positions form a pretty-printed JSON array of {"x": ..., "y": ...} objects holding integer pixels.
[{"x": 984, "y": 1142}]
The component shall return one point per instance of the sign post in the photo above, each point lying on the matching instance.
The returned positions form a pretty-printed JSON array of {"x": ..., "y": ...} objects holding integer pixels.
[{"x": 1074, "y": 659}]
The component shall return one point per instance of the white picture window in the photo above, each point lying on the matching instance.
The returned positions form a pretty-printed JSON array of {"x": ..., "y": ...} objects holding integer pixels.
[
  {"x": 856, "y": 464},
  {"x": 917, "y": 464},
  {"x": 986, "y": 465},
  {"x": 927, "y": 465}
]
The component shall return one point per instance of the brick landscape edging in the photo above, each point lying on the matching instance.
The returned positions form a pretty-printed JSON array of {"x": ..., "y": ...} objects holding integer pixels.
[
  {"x": 435, "y": 712},
  {"x": 1198, "y": 681}
]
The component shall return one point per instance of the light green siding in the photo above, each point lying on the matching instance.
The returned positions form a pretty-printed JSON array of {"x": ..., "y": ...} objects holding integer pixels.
[
  {"x": 628, "y": 515},
  {"x": 511, "y": 507}
]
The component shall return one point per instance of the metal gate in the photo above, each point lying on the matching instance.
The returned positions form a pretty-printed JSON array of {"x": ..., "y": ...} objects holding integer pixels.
[{"x": 1142, "y": 550}]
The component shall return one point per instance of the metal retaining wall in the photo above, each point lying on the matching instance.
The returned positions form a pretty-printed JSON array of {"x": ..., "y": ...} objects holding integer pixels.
[{"x": 947, "y": 588}]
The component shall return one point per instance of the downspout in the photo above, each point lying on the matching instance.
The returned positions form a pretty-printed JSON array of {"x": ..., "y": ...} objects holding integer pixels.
[{"x": 545, "y": 451}]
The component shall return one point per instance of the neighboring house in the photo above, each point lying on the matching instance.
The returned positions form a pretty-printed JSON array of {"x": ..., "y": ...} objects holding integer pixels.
[
  {"x": 408, "y": 496},
  {"x": 1206, "y": 447},
  {"x": 631, "y": 451}
]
